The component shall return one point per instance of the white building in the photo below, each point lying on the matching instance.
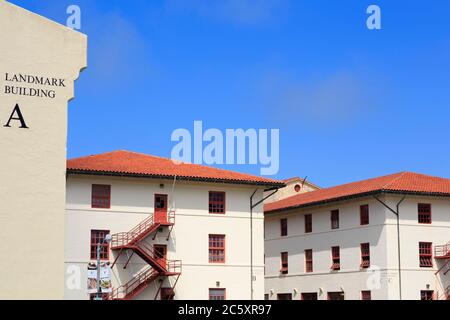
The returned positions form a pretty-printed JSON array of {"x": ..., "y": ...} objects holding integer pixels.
[
  {"x": 196, "y": 237},
  {"x": 293, "y": 187},
  {"x": 342, "y": 242}
]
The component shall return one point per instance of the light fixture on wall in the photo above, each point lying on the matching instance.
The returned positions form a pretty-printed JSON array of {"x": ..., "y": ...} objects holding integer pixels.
[
  {"x": 161, "y": 186},
  {"x": 271, "y": 292},
  {"x": 218, "y": 284},
  {"x": 295, "y": 291}
]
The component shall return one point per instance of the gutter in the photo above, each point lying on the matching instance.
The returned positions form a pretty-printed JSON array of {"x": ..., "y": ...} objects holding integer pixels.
[
  {"x": 272, "y": 185},
  {"x": 252, "y": 206},
  {"x": 359, "y": 195}
]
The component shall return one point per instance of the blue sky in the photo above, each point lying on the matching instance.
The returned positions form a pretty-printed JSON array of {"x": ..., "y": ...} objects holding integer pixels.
[{"x": 350, "y": 103}]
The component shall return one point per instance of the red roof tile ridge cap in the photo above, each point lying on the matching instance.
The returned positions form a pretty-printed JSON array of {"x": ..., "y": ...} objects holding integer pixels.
[{"x": 390, "y": 183}]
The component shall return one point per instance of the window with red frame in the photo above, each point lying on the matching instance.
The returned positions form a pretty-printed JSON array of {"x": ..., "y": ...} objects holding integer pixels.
[
  {"x": 335, "y": 219},
  {"x": 101, "y": 196},
  {"x": 308, "y": 223},
  {"x": 167, "y": 294},
  {"x": 216, "y": 202},
  {"x": 308, "y": 260},
  {"x": 427, "y": 295},
  {"x": 216, "y": 248},
  {"x": 284, "y": 296},
  {"x": 309, "y": 296},
  {"x": 217, "y": 294},
  {"x": 98, "y": 237},
  {"x": 424, "y": 211},
  {"x": 366, "y": 295},
  {"x": 284, "y": 263},
  {"x": 425, "y": 254},
  {"x": 336, "y": 258},
  {"x": 364, "y": 214},
  {"x": 284, "y": 227},
  {"x": 336, "y": 295},
  {"x": 365, "y": 255}
]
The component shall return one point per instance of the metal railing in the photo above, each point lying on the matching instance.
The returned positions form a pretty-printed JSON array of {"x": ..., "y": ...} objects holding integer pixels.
[
  {"x": 127, "y": 238},
  {"x": 442, "y": 251},
  {"x": 131, "y": 286},
  {"x": 174, "y": 266}
]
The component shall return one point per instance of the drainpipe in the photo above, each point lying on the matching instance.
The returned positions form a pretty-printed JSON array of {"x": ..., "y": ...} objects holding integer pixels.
[
  {"x": 275, "y": 190},
  {"x": 397, "y": 214}
]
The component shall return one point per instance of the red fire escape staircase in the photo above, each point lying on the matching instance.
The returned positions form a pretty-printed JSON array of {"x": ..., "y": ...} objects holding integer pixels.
[
  {"x": 442, "y": 253},
  {"x": 159, "y": 266}
]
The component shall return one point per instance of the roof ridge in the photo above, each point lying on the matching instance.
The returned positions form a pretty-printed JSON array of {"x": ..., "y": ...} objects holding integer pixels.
[{"x": 399, "y": 176}]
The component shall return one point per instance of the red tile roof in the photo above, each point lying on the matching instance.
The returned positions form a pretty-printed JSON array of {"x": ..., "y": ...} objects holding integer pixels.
[
  {"x": 403, "y": 182},
  {"x": 126, "y": 163}
]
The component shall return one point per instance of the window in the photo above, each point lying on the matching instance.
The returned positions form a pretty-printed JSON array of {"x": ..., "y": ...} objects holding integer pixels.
[
  {"x": 308, "y": 260},
  {"x": 167, "y": 294},
  {"x": 424, "y": 213},
  {"x": 336, "y": 258},
  {"x": 284, "y": 263},
  {"x": 217, "y": 294},
  {"x": 297, "y": 188},
  {"x": 98, "y": 237},
  {"x": 217, "y": 202},
  {"x": 366, "y": 295},
  {"x": 425, "y": 254},
  {"x": 284, "y": 296},
  {"x": 284, "y": 227},
  {"x": 427, "y": 295},
  {"x": 101, "y": 196},
  {"x": 216, "y": 248},
  {"x": 365, "y": 255},
  {"x": 335, "y": 219},
  {"x": 364, "y": 214},
  {"x": 266, "y": 297},
  {"x": 308, "y": 223},
  {"x": 309, "y": 296},
  {"x": 336, "y": 295}
]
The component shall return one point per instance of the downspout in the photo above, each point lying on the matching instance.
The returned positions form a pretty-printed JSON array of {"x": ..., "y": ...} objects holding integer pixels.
[
  {"x": 251, "y": 231},
  {"x": 397, "y": 214}
]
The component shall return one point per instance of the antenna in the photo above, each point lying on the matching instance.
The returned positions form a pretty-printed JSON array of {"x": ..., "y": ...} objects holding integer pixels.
[{"x": 304, "y": 180}]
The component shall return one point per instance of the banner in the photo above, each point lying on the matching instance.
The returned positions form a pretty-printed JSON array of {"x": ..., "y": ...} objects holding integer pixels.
[
  {"x": 91, "y": 278},
  {"x": 105, "y": 278}
]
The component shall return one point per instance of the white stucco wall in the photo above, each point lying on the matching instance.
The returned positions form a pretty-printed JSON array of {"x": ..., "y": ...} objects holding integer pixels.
[{"x": 132, "y": 200}]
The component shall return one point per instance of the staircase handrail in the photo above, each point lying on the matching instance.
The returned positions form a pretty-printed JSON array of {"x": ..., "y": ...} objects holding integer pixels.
[{"x": 133, "y": 284}]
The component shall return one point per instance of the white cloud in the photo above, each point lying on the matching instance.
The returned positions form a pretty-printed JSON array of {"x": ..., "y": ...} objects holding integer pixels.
[
  {"x": 338, "y": 97},
  {"x": 118, "y": 51}
]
